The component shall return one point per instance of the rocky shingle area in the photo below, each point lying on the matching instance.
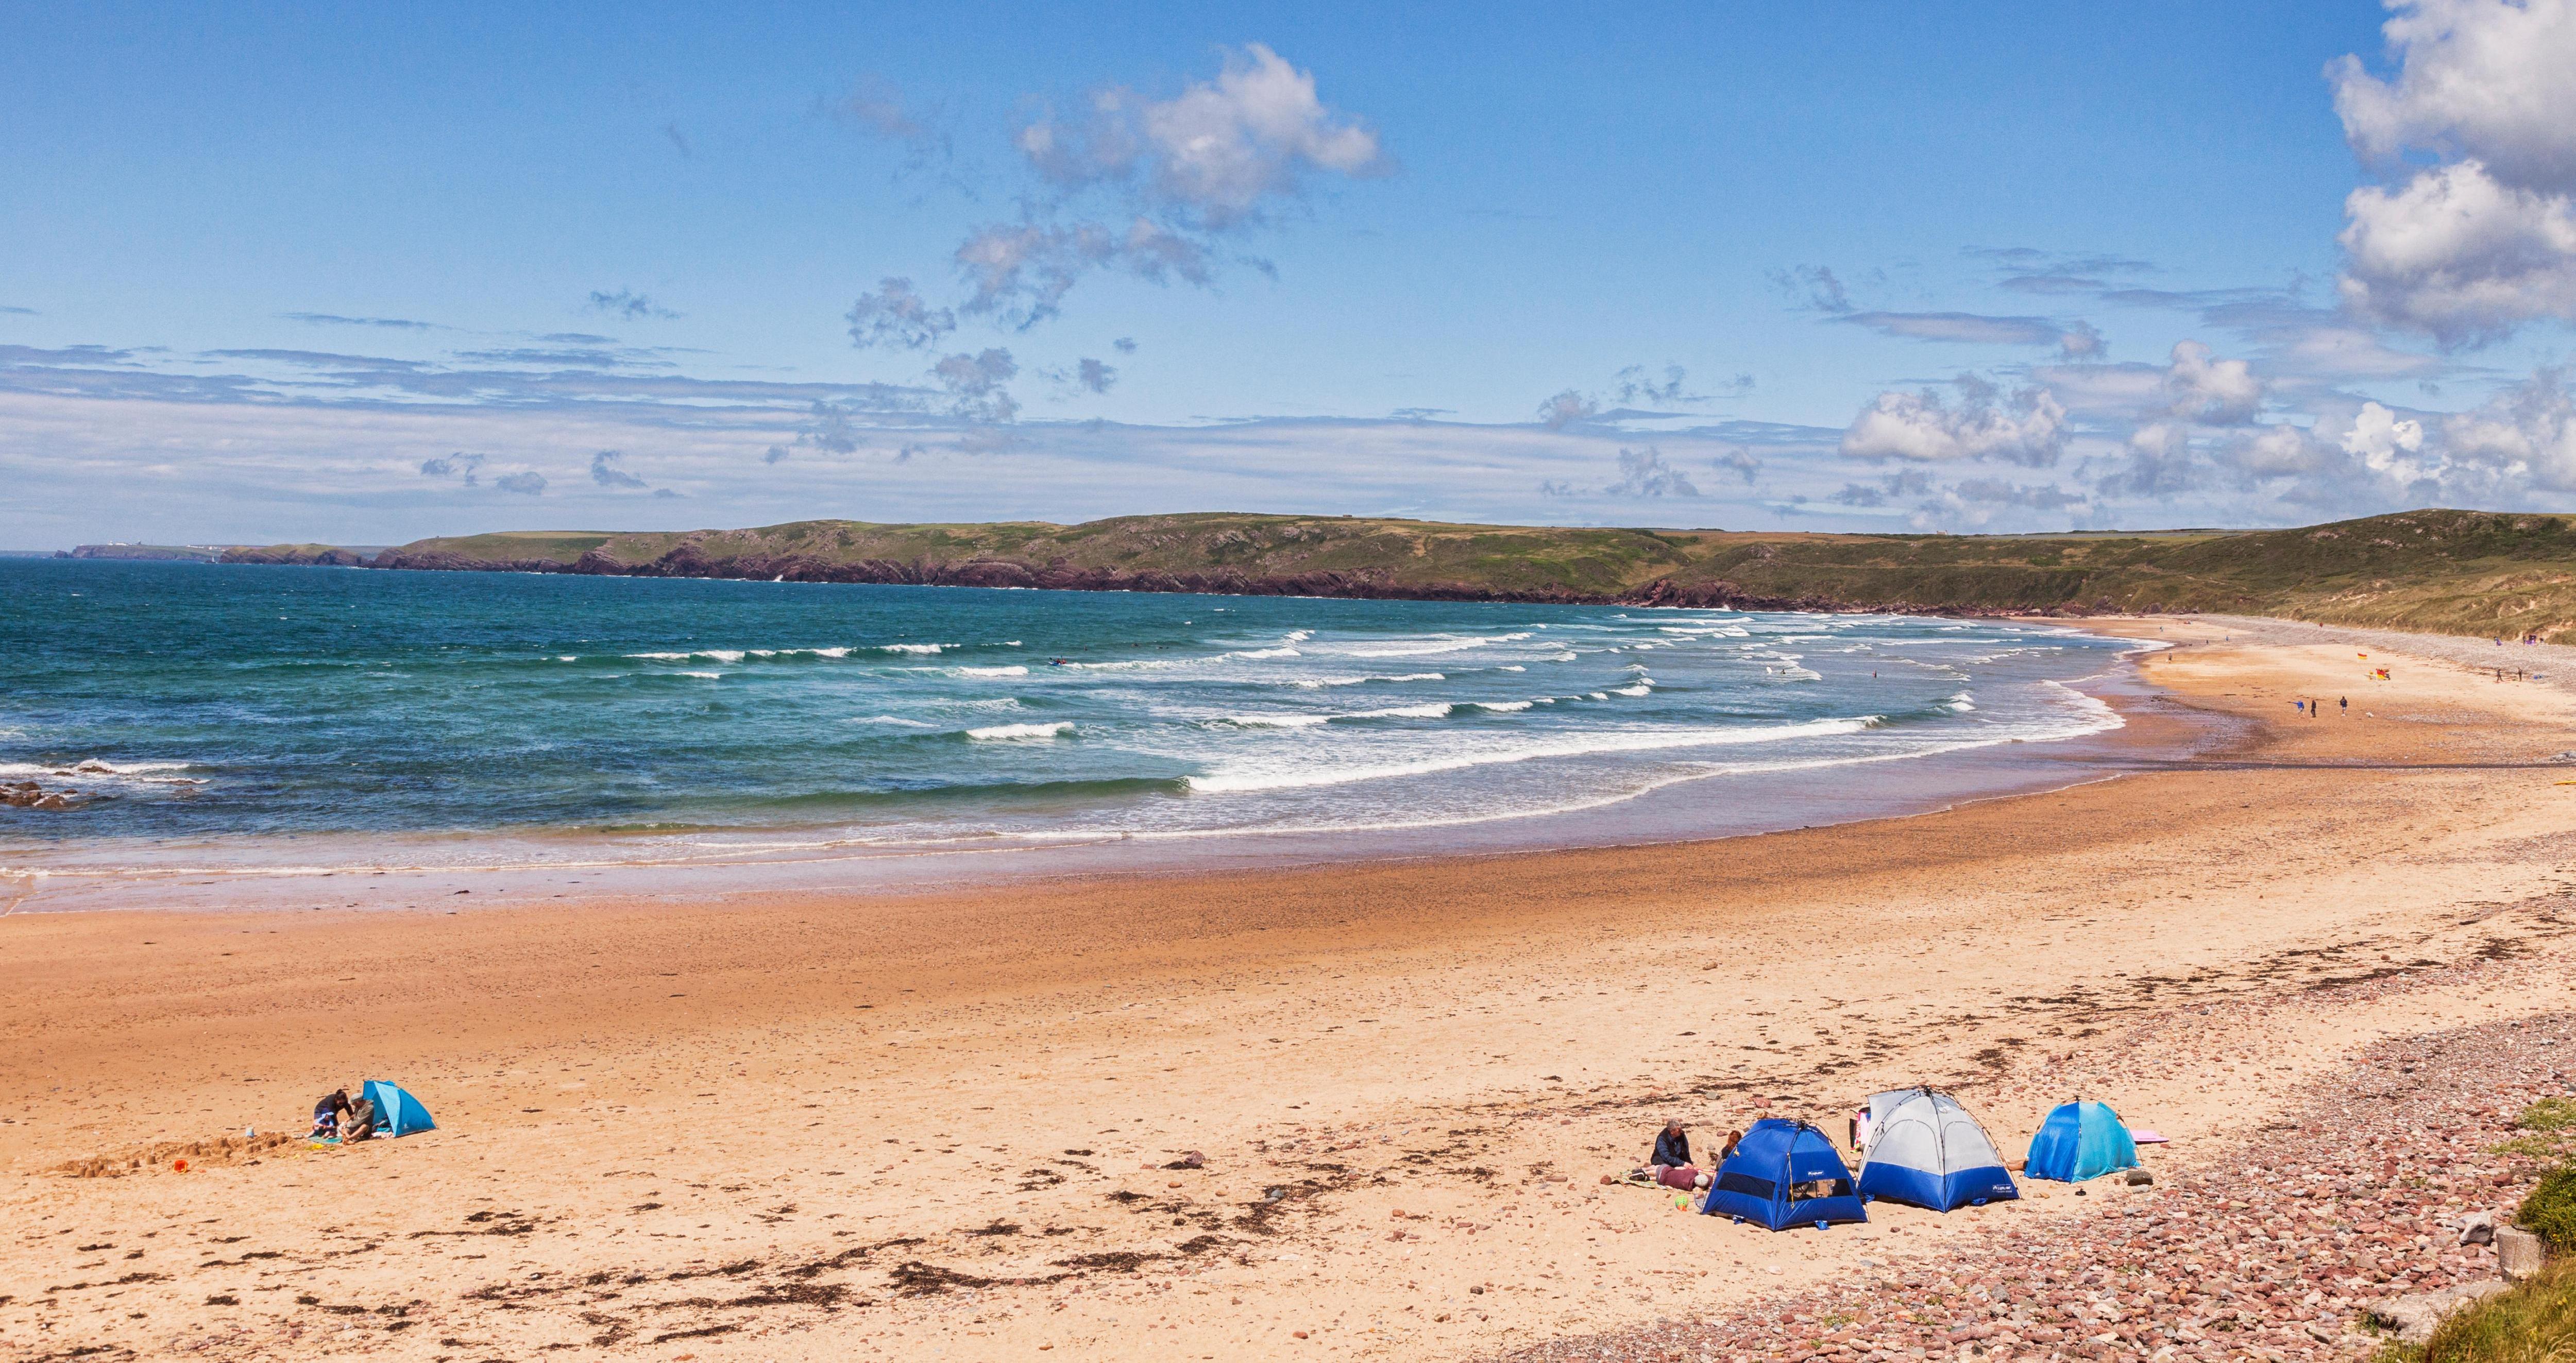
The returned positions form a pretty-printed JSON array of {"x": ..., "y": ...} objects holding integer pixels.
[{"x": 2282, "y": 1247}]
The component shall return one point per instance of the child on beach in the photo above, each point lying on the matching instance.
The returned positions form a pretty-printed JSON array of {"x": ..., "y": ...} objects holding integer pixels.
[{"x": 327, "y": 1114}]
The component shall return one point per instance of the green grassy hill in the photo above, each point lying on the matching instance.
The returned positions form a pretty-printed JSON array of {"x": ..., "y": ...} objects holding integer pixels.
[{"x": 2460, "y": 572}]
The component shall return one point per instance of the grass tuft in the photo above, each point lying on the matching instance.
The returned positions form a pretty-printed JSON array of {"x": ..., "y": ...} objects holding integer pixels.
[
  {"x": 2530, "y": 1322},
  {"x": 2550, "y": 1212}
]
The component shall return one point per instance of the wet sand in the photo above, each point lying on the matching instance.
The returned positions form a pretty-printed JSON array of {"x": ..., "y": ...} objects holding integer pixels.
[{"x": 813, "y": 1126}]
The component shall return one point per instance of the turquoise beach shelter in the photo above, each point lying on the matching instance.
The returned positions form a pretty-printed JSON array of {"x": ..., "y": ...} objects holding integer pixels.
[
  {"x": 397, "y": 1112},
  {"x": 2080, "y": 1140},
  {"x": 1785, "y": 1174}
]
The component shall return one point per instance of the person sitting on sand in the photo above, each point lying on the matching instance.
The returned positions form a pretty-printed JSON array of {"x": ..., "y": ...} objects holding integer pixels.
[
  {"x": 362, "y": 1120},
  {"x": 1672, "y": 1147},
  {"x": 1671, "y": 1163},
  {"x": 1733, "y": 1139},
  {"x": 327, "y": 1113}
]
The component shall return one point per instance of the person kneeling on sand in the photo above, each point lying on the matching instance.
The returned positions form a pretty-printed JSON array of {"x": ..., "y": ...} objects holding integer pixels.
[{"x": 327, "y": 1113}]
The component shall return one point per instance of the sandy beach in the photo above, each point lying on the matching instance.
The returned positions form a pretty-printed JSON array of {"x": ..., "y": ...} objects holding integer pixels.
[{"x": 1352, "y": 1111}]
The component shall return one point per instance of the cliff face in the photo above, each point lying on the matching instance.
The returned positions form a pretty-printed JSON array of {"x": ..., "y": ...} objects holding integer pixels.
[
  {"x": 325, "y": 555},
  {"x": 2456, "y": 571}
]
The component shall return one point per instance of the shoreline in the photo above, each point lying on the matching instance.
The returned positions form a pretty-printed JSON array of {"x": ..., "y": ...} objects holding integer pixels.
[
  {"x": 178, "y": 874},
  {"x": 883, "y": 1124}
]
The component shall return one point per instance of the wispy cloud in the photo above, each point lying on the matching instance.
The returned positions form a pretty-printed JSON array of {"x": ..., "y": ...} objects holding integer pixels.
[
  {"x": 632, "y": 306},
  {"x": 2073, "y": 339},
  {"x": 605, "y": 472},
  {"x": 333, "y": 319},
  {"x": 1814, "y": 287},
  {"x": 897, "y": 317}
]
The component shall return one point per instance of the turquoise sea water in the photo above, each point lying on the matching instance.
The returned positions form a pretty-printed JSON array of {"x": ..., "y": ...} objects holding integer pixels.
[{"x": 226, "y": 706}]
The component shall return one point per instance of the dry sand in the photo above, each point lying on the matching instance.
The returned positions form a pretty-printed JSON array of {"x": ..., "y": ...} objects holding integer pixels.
[{"x": 940, "y": 1127}]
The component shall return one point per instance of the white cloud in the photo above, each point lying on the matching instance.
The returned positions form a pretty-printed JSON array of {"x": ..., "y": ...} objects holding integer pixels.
[
  {"x": 2159, "y": 463},
  {"x": 2458, "y": 255},
  {"x": 2528, "y": 433},
  {"x": 2027, "y": 426},
  {"x": 2210, "y": 391},
  {"x": 2386, "y": 443},
  {"x": 1215, "y": 154},
  {"x": 2483, "y": 80},
  {"x": 2278, "y": 451},
  {"x": 2467, "y": 250}
]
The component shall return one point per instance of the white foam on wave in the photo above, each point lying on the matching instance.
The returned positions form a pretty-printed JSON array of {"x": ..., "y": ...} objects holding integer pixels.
[
  {"x": 1437, "y": 710},
  {"x": 1129, "y": 665},
  {"x": 1640, "y": 689},
  {"x": 1707, "y": 631},
  {"x": 97, "y": 766},
  {"x": 1502, "y": 706},
  {"x": 1014, "y": 670},
  {"x": 1263, "y": 653},
  {"x": 1566, "y": 657},
  {"x": 1444, "y": 643},
  {"x": 1310, "y": 683},
  {"x": 1962, "y": 702},
  {"x": 1524, "y": 750},
  {"x": 1511, "y": 667},
  {"x": 1274, "y": 721},
  {"x": 1298, "y": 636},
  {"x": 914, "y": 648},
  {"x": 710, "y": 676},
  {"x": 1021, "y": 732},
  {"x": 888, "y": 719}
]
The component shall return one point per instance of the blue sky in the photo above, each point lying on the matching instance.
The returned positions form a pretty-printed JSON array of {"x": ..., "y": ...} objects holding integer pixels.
[{"x": 364, "y": 276}]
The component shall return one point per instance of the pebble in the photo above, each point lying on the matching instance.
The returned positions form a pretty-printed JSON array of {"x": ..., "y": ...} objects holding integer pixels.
[{"x": 2272, "y": 1247}]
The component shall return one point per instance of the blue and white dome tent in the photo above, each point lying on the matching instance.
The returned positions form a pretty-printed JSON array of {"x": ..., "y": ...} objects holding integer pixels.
[{"x": 1925, "y": 1149}]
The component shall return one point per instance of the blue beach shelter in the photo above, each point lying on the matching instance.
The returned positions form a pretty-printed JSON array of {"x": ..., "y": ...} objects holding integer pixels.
[
  {"x": 2080, "y": 1140},
  {"x": 397, "y": 1112},
  {"x": 1926, "y": 1150},
  {"x": 1785, "y": 1174}
]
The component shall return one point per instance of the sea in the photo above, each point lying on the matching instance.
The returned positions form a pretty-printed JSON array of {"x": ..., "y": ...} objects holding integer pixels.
[{"x": 222, "y": 721}]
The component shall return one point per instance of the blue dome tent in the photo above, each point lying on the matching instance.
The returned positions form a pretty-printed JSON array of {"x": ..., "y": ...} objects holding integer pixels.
[
  {"x": 1926, "y": 1150},
  {"x": 2080, "y": 1140},
  {"x": 397, "y": 1112},
  {"x": 1785, "y": 1174}
]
